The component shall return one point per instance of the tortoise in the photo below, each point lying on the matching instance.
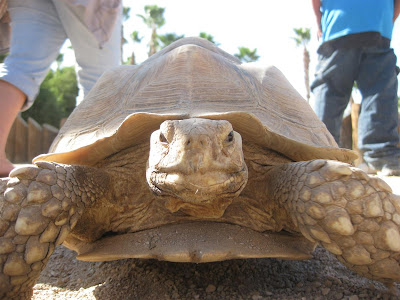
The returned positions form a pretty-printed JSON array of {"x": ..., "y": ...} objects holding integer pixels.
[{"x": 193, "y": 156}]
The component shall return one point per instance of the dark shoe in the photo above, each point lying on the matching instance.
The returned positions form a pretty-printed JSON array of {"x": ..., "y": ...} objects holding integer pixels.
[
  {"x": 390, "y": 170},
  {"x": 385, "y": 167}
]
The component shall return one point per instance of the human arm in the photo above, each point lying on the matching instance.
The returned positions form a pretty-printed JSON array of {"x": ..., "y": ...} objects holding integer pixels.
[
  {"x": 316, "y": 4},
  {"x": 396, "y": 10}
]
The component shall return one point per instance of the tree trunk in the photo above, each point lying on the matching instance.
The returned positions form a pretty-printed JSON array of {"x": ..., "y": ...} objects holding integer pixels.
[
  {"x": 153, "y": 42},
  {"x": 133, "y": 59}
]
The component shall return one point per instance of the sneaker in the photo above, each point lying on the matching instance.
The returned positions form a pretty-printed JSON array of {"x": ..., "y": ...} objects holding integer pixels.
[{"x": 385, "y": 168}]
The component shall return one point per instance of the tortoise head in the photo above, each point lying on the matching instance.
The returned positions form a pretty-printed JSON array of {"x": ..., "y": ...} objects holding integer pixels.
[{"x": 197, "y": 165}]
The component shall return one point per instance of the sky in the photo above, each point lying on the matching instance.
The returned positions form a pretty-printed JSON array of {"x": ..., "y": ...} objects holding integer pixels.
[{"x": 264, "y": 24}]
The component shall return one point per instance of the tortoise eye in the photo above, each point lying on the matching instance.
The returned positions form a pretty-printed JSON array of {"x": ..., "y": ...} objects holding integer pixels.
[
  {"x": 230, "y": 137},
  {"x": 163, "y": 139}
]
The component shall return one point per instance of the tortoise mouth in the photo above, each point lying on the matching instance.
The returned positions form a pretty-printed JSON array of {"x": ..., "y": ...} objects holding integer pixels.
[
  {"x": 198, "y": 195},
  {"x": 198, "y": 242},
  {"x": 196, "y": 188}
]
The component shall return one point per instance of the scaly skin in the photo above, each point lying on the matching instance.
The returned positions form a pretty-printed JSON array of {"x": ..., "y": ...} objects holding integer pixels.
[
  {"x": 354, "y": 216},
  {"x": 39, "y": 206}
]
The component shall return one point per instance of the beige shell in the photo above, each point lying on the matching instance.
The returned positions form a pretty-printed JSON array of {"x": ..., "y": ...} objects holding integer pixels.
[{"x": 193, "y": 78}]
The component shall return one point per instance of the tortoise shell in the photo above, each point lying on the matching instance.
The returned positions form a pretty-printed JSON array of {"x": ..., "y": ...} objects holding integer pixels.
[{"x": 193, "y": 78}]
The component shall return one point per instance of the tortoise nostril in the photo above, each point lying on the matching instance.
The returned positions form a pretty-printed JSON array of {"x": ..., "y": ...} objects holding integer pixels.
[{"x": 196, "y": 142}]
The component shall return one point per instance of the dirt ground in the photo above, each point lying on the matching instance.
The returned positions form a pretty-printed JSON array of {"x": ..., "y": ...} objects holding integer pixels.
[{"x": 322, "y": 277}]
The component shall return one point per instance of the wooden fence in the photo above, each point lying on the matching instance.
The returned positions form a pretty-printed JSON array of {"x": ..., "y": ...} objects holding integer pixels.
[{"x": 28, "y": 139}]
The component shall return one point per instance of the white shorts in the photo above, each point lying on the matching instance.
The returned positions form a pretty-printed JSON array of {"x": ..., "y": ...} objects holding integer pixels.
[{"x": 39, "y": 28}]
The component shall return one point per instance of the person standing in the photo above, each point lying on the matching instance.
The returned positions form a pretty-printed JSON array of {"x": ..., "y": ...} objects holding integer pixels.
[
  {"x": 355, "y": 47},
  {"x": 38, "y": 30}
]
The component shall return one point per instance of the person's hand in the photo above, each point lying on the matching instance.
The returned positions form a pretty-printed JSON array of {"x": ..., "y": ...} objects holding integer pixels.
[{"x": 319, "y": 33}]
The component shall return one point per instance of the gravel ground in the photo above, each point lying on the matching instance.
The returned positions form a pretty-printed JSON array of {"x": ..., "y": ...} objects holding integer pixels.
[{"x": 322, "y": 277}]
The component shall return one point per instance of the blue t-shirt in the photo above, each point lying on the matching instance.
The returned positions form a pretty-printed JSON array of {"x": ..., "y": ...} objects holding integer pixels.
[{"x": 343, "y": 17}]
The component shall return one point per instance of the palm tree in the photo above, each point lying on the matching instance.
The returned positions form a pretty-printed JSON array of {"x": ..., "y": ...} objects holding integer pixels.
[
  {"x": 136, "y": 39},
  {"x": 247, "y": 55},
  {"x": 169, "y": 38},
  {"x": 302, "y": 38},
  {"x": 125, "y": 17},
  {"x": 154, "y": 19},
  {"x": 59, "y": 60},
  {"x": 208, "y": 37}
]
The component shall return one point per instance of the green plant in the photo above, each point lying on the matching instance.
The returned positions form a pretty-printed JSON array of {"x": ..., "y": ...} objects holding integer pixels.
[{"x": 56, "y": 98}]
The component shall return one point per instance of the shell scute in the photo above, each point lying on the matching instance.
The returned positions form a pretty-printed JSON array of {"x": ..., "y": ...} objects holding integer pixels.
[{"x": 193, "y": 78}]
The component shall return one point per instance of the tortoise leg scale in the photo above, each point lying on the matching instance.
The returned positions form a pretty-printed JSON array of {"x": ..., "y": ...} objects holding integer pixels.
[
  {"x": 39, "y": 205},
  {"x": 354, "y": 216}
]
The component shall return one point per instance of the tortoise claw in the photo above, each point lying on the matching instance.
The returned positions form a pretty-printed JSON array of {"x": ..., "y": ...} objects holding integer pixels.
[{"x": 25, "y": 172}]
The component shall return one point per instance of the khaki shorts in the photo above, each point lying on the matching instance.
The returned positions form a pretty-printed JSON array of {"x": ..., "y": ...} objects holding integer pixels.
[{"x": 39, "y": 29}]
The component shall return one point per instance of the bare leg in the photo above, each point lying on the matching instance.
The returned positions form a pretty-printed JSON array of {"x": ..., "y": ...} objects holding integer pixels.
[
  {"x": 11, "y": 101},
  {"x": 354, "y": 216}
]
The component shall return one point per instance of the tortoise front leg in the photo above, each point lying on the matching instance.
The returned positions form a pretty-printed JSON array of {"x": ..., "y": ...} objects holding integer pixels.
[
  {"x": 354, "y": 216},
  {"x": 39, "y": 206}
]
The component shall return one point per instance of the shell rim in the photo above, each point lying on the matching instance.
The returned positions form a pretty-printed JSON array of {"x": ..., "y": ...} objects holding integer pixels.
[{"x": 137, "y": 126}]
